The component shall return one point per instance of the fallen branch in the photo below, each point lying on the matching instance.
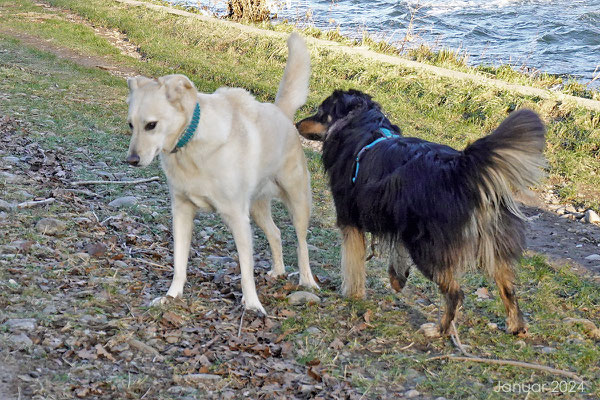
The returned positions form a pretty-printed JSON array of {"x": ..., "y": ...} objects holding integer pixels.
[
  {"x": 134, "y": 182},
  {"x": 456, "y": 341},
  {"x": 35, "y": 203},
  {"x": 153, "y": 264},
  {"x": 522, "y": 364},
  {"x": 241, "y": 322}
]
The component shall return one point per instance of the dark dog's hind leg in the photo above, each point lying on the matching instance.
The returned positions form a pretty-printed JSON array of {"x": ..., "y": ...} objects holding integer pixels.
[
  {"x": 505, "y": 277},
  {"x": 353, "y": 262},
  {"x": 400, "y": 263},
  {"x": 453, "y": 296}
]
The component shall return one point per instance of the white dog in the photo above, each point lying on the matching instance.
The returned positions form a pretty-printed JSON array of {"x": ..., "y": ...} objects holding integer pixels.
[{"x": 229, "y": 153}]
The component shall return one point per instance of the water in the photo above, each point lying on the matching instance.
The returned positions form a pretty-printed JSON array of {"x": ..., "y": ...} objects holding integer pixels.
[{"x": 556, "y": 36}]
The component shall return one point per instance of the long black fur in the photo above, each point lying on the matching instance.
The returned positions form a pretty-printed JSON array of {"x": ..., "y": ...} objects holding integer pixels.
[{"x": 447, "y": 207}]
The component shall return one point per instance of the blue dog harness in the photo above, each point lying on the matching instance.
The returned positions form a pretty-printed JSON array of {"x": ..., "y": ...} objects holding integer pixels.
[
  {"x": 190, "y": 130},
  {"x": 387, "y": 134}
]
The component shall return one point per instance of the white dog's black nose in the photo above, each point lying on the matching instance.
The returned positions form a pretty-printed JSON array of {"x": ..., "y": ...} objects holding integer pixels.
[{"x": 133, "y": 159}]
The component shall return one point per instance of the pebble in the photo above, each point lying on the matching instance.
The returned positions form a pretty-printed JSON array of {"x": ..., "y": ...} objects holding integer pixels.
[
  {"x": 5, "y": 205},
  {"x": 123, "y": 201},
  {"x": 411, "y": 394},
  {"x": 11, "y": 159},
  {"x": 592, "y": 217},
  {"x": 120, "y": 264},
  {"x": 547, "y": 350},
  {"x": 440, "y": 398},
  {"x": 301, "y": 297},
  {"x": 50, "y": 226},
  {"x": 20, "y": 324},
  {"x": 197, "y": 378},
  {"x": 313, "y": 330},
  {"x": 20, "y": 340},
  {"x": 593, "y": 257},
  {"x": 8, "y": 177},
  {"x": 492, "y": 325},
  {"x": 219, "y": 260}
]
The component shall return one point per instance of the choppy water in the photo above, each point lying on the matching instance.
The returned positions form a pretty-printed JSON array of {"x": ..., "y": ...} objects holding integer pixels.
[{"x": 555, "y": 36}]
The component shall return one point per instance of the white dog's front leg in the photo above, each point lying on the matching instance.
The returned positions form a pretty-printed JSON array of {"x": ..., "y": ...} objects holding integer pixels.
[
  {"x": 239, "y": 224},
  {"x": 183, "y": 222}
]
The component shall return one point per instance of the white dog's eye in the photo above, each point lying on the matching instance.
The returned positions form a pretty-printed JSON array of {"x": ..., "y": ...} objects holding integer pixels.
[{"x": 150, "y": 125}]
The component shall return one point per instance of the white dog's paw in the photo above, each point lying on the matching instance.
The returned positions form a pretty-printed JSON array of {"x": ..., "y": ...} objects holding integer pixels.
[
  {"x": 254, "y": 306},
  {"x": 161, "y": 300},
  {"x": 309, "y": 282},
  {"x": 276, "y": 272}
]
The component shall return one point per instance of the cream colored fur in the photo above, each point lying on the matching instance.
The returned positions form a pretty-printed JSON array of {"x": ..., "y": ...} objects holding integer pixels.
[{"x": 242, "y": 155}]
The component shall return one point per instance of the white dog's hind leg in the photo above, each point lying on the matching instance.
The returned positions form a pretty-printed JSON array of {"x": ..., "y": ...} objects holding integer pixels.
[
  {"x": 261, "y": 213},
  {"x": 183, "y": 222},
  {"x": 297, "y": 199},
  {"x": 239, "y": 223}
]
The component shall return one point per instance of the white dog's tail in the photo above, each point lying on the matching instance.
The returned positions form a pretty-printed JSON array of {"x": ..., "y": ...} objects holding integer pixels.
[{"x": 293, "y": 89}]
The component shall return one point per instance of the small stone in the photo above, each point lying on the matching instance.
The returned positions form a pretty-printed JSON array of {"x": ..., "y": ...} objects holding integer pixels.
[
  {"x": 411, "y": 394},
  {"x": 337, "y": 344},
  {"x": 592, "y": 217},
  {"x": 21, "y": 324},
  {"x": 120, "y": 264},
  {"x": 313, "y": 330},
  {"x": 83, "y": 256},
  {"x": 492, "y": 326},
  {"x": 430, "y": 330},
  {"x": 570, "y": 209},
  {"x": 20, "y": 340},
  {"x": 5, "y": 205},
  {"x": 123, "y": 201},
  {"x": 593, "y": 257},
  {"x": 440, "y": 398},
  {"x": 561, "y": 211},
  {"x": 50, "y": 226},
  {"x": 96, "y": 249},
  {"x": 219, "y": 260},
  {"x": 11, "y": 159},
  {"x": 8, "y": 177},
  {"x": 197, "y": 378},
  {"x": 301, "y": 297},
  {"x": 548, "y": 350}
]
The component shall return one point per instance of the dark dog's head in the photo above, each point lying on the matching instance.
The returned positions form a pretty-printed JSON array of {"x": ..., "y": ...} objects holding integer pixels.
[{"x": 335, "y": 112}]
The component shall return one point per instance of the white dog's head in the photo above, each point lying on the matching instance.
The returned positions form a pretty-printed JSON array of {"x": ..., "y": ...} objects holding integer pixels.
[{"x": 159, "y": 111}]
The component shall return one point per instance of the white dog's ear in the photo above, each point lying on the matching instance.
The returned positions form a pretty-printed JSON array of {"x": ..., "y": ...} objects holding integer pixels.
[
  {"x": 137, "y": 82},
  {"x": 176, "y": 86}
]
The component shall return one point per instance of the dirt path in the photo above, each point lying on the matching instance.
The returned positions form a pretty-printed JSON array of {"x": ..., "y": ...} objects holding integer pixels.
[{"x": 563, "y": 240}]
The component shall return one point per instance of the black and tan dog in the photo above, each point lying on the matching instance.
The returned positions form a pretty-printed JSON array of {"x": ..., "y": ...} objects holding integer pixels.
[{"x": 442, "y": 209}]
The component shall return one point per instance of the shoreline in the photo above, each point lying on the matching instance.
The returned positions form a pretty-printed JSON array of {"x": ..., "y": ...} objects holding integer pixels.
[
  {"x": 589, "y": 86},
  {"x": 362, "y": 51}
]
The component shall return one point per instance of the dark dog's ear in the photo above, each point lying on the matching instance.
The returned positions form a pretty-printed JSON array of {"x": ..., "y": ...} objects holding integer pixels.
[{"x": 312, "y": 130}]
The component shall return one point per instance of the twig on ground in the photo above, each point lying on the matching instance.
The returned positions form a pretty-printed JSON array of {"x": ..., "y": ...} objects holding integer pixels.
[
  {"x": 35, "y": 203},
  {"x": 407, "y": 347},
  {"x": 522, "y": 364},
  {"x": 134, "y": 182},
  {"x": 164, "y": 268},
  {"x": 241, "y": 322},
  {"x": 456, "y": 341}
]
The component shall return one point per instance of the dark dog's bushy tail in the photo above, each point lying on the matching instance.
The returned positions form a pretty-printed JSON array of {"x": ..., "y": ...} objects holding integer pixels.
[
  {"x": 509, "y": 159},
  {"x": 293, "y": 89}
]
